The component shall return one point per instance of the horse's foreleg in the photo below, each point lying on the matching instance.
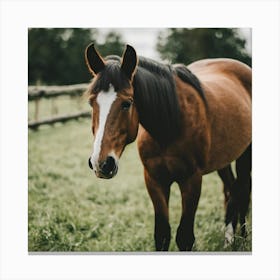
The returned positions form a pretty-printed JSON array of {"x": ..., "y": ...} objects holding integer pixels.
[
  {"x": 190, "y": 191},
  {"x": 159, "y": 194}
]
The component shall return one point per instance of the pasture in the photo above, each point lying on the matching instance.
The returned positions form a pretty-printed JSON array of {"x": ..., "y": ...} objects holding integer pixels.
[{"x": 69, "y": 209}]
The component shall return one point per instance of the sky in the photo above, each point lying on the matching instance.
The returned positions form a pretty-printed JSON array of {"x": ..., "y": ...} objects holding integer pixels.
[{"x": 144, "y": 39}]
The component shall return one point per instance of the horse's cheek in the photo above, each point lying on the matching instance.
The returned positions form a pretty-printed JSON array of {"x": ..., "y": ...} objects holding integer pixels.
[{"x": 132, "y": 124}]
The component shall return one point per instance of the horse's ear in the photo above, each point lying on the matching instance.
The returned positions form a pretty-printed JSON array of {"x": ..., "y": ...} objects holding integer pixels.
[
  {"x": 129, "y": 62},
  {"x": 94, "y": 61}
]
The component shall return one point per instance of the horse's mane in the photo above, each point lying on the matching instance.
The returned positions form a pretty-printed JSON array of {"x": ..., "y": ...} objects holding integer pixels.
[
  {"x": 156, "y": 100},
  {"x": 154, "y": 93}
]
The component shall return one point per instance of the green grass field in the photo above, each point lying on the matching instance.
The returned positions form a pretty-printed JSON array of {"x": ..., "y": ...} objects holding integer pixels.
[{"x": 69, "y": 209}]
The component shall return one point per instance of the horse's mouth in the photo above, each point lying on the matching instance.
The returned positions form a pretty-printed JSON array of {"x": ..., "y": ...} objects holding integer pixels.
[
  {"x": 106, "y": 169},
  {"x": 110, "y": 175}
]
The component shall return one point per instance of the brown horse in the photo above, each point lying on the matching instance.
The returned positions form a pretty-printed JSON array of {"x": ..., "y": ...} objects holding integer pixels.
[{"x": 192, "y": 120}]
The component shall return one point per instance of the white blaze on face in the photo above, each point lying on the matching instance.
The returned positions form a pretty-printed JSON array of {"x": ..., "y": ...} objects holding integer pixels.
[{"x": 104, "y": 101}]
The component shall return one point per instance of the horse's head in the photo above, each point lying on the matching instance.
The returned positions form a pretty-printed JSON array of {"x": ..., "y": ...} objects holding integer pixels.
[{"x": 114, "y": 116}]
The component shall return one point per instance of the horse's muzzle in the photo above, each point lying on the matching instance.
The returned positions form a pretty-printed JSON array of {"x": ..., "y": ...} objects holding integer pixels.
[{"x": 106, "y": 169}]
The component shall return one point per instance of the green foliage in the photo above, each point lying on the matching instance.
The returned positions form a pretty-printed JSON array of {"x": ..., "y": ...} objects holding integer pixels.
[
  {"x": 56, "y": 55},
  {"x": 69, "y": 209},
  {"x": 113, "y": 44},
  {"x": 184, "y": 45}
]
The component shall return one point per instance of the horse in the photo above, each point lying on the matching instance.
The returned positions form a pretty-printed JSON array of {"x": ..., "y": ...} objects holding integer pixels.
[{"x": 188, "y": 121}]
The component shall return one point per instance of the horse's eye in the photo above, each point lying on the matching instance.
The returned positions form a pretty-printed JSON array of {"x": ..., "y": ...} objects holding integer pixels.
[{"x": 126, "y": 105}]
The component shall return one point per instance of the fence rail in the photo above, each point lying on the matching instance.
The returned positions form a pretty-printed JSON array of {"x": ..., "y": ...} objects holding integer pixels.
[
  {"x": 65, "y": 118},
  {"x": 36, "y": 93}
]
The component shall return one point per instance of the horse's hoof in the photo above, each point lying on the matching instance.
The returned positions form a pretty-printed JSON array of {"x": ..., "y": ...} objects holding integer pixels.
[{"x": 229, "y": 235}]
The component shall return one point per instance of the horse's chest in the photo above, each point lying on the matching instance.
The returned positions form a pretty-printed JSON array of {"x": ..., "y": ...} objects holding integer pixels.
[
  {"x": 179, "y": 168},
  {"x": 173, "y": 164},
  {"x": 169, "y": 168}
]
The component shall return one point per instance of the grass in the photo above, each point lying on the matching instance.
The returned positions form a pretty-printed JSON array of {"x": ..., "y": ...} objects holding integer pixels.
[{"x": 69, "y": 209}]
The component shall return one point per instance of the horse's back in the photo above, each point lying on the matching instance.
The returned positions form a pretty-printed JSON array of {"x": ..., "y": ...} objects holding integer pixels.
[
  {"x": 210, "y": 69},
  {"x": 227, "y": 86}
]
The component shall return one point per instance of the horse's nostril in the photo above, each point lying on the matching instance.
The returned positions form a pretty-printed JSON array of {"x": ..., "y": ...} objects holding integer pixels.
[
  {"x": 89, "y": 164},
  {"x": 108, "y": 165}
]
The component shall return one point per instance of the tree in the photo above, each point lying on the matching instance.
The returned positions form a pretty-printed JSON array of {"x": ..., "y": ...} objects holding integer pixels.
[
  {"x": 45, "y": 51},
  {"x": 56, "y": 55},
  {"x": 113, "y": 44},
  {"x": 184, "y": 45}
]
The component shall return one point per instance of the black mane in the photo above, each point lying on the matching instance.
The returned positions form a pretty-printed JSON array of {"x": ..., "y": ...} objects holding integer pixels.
[
  {"x": 156, "y": 100},
  {"x": 154, "y": 93}
]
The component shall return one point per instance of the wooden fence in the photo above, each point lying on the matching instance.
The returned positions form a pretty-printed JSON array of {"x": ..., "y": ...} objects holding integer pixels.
[{"x": 36, "y": 93}]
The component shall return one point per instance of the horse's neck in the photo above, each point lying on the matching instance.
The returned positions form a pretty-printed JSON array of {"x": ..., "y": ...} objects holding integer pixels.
[{"x": 192, "y": 106}]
